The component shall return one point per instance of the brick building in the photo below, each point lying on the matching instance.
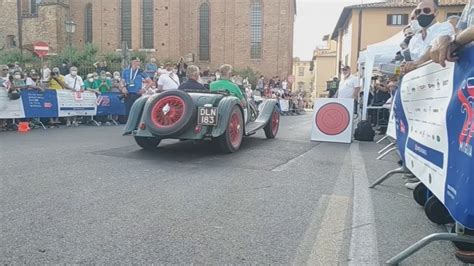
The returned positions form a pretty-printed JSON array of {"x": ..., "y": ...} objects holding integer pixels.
[{"x": 255, "y": 33}]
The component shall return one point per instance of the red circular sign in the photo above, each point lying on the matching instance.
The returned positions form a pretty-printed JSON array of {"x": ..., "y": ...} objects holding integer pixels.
[
  {"x": 41, "y": 48},
  {"x": 332, "y": 119}
]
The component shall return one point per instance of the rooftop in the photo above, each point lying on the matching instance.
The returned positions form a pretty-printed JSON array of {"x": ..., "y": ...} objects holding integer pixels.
[{"x": 346, "y": 12}]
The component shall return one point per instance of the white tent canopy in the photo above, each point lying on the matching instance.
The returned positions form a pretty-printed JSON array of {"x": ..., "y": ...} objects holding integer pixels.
[{"x": 382, "y": 52}]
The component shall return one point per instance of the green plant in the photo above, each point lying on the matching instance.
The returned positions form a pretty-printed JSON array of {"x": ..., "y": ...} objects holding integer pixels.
[
  {"x": 141, "y": 55},
  {"x": 12, "y": 56},
  {"x": 113, "y": 57},
  {"x": 249, "y": 73}
]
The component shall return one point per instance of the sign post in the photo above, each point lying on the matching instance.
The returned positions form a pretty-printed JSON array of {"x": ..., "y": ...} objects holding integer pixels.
[{"x": 41, "y": 48}]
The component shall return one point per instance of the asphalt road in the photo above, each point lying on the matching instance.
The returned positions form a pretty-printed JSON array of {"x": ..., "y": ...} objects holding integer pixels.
[{"x": 88, "y": 195}]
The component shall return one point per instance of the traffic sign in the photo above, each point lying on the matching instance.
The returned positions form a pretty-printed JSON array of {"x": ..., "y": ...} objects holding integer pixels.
[{"x": 41, "y": 48}]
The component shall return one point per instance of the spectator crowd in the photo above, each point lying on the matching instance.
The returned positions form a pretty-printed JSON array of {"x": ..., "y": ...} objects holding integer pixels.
[{"x": 131, "y": 83}]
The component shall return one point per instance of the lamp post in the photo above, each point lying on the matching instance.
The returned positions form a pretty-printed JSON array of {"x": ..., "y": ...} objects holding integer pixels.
[{"x": 70, "y": 29}]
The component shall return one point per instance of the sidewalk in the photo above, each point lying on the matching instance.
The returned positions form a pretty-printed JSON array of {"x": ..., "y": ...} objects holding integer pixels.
[{"x": 400, "y": 222}]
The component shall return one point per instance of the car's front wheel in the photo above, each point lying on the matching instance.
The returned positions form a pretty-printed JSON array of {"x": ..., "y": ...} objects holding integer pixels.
[
  {"x": 148, "y": 143},
  {"x": 271, "y": 129},
  {"x": 231, "y": 140}
]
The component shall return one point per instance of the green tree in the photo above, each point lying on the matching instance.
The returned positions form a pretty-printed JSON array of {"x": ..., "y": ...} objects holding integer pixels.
[
  {"x": 11, "y": 56},
  {"x": 249, "y": 73}
]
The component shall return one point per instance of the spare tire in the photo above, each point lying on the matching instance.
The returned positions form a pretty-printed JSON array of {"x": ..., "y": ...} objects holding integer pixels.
[{"x": 170, "y": 113}]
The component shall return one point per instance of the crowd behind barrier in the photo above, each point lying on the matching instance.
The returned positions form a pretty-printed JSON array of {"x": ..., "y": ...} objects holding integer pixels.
[{"x": 431, "y": 122}]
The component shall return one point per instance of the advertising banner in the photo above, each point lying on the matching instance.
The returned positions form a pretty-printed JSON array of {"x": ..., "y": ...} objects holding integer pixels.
[
  {"x": 61, "y": 103},
  {"x": 10, "y": 108},
  {"x": 76, "y": 103},
  {"x": 435, "y": 128}
]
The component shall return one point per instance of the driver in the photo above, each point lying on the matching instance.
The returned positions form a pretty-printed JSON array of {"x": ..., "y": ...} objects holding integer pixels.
[{"x": 225, "y": 83}]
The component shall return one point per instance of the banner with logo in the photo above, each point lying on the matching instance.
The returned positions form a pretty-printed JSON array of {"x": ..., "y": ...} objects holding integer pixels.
[
  {"x": 61, "y": 103},
  {"x": 76, "y": 103},
  {"x": 10, "y": 108},
  {"x": 435, "y": 126},
  {"x": 391, "y": 127},
  {"x": 284, "y": 105},
  {"x": 110, "y": 103},
  {"x": 40, "y": 104}
]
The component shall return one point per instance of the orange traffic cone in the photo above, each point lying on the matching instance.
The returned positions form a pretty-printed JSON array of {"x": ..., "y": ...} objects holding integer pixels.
[{"x": 23, "y": 127}]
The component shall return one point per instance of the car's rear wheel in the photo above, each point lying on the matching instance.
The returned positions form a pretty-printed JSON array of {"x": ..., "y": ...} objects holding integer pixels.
[
  {"x": 148, "y": 143},
  {"x": 170, "y": 113},
  {"x": 271, "y": 129},
  {"x": 231, "y": 140}
]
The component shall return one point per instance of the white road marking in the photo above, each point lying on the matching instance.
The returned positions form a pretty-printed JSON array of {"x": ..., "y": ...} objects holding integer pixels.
[
  {"x": 328, "y": 245},
  {"x": 363, "y": 248},
  {"x": 322, "y": 242}
]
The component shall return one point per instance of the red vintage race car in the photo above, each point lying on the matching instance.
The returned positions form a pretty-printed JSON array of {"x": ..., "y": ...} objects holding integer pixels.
[{"x": 200, "y": 115}]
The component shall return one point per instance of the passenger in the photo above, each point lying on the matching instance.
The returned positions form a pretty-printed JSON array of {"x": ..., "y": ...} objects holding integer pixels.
[{"x": 192, "y": 83}]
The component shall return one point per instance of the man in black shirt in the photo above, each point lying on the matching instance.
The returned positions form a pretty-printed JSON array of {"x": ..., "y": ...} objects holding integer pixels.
[{"x": 193, "y": 80}]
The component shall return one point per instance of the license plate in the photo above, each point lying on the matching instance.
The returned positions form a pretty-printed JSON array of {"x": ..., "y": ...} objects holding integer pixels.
[{"x": 207, "y": 116}]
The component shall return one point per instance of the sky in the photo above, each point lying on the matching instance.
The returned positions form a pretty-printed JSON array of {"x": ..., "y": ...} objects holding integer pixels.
[{"x": 314, "y": 19}]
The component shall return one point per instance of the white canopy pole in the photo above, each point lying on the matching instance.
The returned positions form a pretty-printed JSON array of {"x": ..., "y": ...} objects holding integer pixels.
[{"x": 369, "y": 67}]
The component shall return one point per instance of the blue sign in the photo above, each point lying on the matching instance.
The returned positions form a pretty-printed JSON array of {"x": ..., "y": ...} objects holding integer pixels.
[{"x": 40, "y": 104}]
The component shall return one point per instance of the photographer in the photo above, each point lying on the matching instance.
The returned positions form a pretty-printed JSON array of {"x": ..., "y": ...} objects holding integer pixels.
[{"x": 104, "y": 84}]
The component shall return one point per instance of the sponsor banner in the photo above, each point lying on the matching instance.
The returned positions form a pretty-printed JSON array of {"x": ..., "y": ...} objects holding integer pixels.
[
  {"x": 40, "y": 104},
  {"x": 10, "y": 108},
  {"x": 434, "y": 118},
  {"x": 110, "y": 103},
  {"x": 425, "y": 96},
  {"x": 61, "y": 103},
  {"x": 76, "y": 103},
  {"x": 285, "y": 105},
  {"x": 391, "y": 127},
  {"x": 332, "y": 120}
]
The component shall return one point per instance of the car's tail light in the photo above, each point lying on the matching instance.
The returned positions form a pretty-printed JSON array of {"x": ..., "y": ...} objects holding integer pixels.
[
  {"x": 142, "y": 126},
  {"x": 197, "y": 129}
]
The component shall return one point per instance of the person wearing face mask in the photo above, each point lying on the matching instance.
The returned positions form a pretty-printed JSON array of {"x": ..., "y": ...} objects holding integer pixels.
[
  {"x": 104, "y": 84},
  {"x": 73, "y": 81},
  {"x": 4, "y": 75},
  {"x": 116, "y": 82},
  {"x": 32, "y": 81},
  {"x": 91, "y": 83},
  {"x": 46, "y": 74},
  {"x": 57, "y": 80},
  {"x": 16, "y": 83},
  {"x": 426, "y": 13},
  {"x": 168, "y": 80},
  {"x": 348, "y": 87}
]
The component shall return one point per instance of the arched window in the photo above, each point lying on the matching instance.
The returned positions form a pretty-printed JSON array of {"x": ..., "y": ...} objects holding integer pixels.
[
  {"x": 126, "y": 19},
  {"x": 256, "y": 30},
  {"x": 204, "y": 32},
  {"x": 147, "y": 24},
  {"x": 88, "y": 23}
]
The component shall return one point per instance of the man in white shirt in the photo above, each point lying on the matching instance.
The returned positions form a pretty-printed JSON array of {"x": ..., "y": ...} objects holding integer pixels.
[
  {"x": 423, "y": 40},
  {"x": 168, "y": 80},
  {"x": 46, "y": 74},
  {"x": 349, "y": 87},
  {"x": 73, "y": 81}
]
